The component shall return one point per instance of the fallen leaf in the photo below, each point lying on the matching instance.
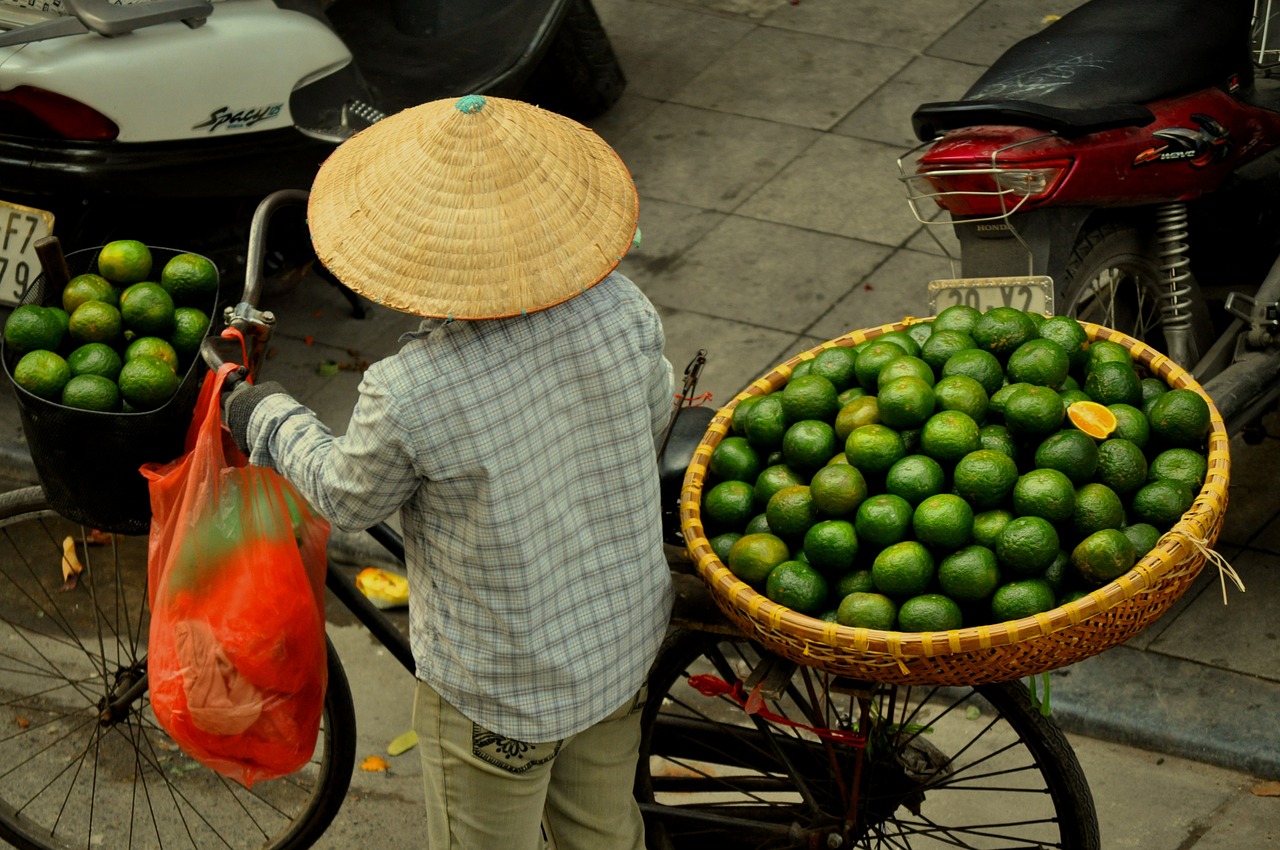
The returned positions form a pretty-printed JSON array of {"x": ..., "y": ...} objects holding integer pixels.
[
  {"x": 374, "y": 764},
  {"x": 1266, "y": 789},
  {"x": 71, "y": 566},
  {"x": 402, "y": 743},
  {"x": 23, "y": 723}
]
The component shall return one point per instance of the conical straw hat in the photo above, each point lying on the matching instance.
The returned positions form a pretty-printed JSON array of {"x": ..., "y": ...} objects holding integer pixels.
[{"x": 475, "y": 208}]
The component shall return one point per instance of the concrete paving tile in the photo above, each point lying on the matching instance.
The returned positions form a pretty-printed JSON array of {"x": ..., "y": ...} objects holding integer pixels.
[
  {"x": 909, "y": 24},
  {"x": 993, "y": 27},
  {"x": 667, "y": 231},
  {"x": 1147, "y": 801},
  {"x": 793, "y": 78},
  {"x": 664, "y": 46},
  {"x": 747, "y": 10},
  {"x": 630, "y": 112},
  {"x": 722, "y": 159},
  {"x": 766, "y": 274},
  {"x": 1248, "y": 821},
  {"x": 896, "y": 289},
  {"x": 1254, "y": 496},
  {"x": 886, "y": 115},
  {"x": 844, "y": 186},
  {"x": 1241, "y": 635}
]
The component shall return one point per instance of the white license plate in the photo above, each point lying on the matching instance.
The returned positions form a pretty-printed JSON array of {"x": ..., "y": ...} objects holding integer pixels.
[
  {"x": 1034, "y": 294},
  {"x": 20, "y": 228}
]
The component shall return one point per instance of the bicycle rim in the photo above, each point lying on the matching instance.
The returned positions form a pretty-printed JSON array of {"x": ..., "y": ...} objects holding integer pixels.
[
  {"x": 833, "y": 763},
  {"x": 74, "y": 776}
]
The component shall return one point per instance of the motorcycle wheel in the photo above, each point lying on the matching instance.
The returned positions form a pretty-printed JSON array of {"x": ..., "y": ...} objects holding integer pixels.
[
  {"x": 939, "y": 767},
  {"x": 1112, "y": 279},
  {"x": 579, "y": 77}
]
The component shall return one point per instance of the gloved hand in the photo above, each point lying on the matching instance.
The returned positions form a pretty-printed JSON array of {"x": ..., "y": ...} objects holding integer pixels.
[{"x": 238, "y": 405}]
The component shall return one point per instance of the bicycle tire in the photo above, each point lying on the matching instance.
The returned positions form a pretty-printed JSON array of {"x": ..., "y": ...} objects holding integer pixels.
[
  {"x": 1112, "y": 279},
  {"x": 708, "y": 777},
  {"x": 71, "y": 780}
]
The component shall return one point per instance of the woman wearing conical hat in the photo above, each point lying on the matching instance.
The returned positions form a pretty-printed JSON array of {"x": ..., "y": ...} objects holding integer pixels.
[{"x": 513, "y": 433}]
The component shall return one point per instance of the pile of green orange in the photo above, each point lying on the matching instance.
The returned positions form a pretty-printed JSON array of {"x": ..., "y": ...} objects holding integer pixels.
[
  {"x": 120, "y": 340},
  {"x": 978, "y": 468}
]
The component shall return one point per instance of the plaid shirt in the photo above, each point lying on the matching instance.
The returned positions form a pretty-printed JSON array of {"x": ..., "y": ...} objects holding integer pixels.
[{"x": 520, "y": 454}]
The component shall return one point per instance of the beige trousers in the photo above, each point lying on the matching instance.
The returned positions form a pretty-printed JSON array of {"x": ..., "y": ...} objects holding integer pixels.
[{"x": 487, "y": 792}]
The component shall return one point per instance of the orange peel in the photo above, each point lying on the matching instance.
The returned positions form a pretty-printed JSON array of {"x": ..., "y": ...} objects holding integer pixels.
[{"x": 1092, "y": 418}]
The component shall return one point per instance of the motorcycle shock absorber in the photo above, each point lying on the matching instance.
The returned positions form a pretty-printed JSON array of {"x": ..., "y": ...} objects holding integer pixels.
[{"x": 1175, "y": 287}]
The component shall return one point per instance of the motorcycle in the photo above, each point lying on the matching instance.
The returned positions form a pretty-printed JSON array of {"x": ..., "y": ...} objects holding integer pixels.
[
  {"x": 1121, "y": 166},
  {"x": 167, "y": 121}
]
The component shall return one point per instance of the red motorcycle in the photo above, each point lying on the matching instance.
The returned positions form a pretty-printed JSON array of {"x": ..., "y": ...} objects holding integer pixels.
[{"x": 1121, "y": 166}]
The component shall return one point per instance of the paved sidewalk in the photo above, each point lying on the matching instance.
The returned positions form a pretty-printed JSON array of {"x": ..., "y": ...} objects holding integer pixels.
[{"x": 763, "y": 136}]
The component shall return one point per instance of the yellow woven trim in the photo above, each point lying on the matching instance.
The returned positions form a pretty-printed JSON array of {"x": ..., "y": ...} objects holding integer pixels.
[
  {"x": 697, "y": 468},
  {"x": 717, "y": 426},
  {"x": 984, "y": 637},
  {"x": 708, "y": 560},
  {"x": 775, "y": 616},
  {"x": 754, "y": 604},
  {"x": 953, "y": 640},
  {"x": 736, "y": 587},
  {"x": 1045, "y": 621},
  {"x": 1213, "y": 556},
  {"x": 763, "y": 384},
  {"x": 861, "y": 640},
  {"x": 829, "y": 632}
]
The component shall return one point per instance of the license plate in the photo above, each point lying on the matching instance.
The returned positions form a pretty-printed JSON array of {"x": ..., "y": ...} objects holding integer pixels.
[
  {"x": 20, "y": 228},
  {"x": 1033, "y": 294}
]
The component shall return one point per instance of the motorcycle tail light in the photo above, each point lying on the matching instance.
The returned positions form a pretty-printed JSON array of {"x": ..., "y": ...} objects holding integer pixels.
[
  {"x": 992, "y": 190},
  {"x": 34, "y": 112}
]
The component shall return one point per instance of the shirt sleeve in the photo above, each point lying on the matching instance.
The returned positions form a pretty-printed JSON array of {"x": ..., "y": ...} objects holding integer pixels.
[
  {"x": 660, "y": 388},
  {"x": 354, "y": 481}
]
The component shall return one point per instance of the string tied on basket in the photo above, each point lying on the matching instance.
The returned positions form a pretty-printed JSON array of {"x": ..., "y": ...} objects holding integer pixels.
[
  {"x": 713, "y": 686},
  {"x": 1213, "y": 556}
]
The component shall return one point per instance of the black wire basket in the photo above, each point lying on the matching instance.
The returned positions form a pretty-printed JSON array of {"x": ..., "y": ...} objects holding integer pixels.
[{"x": 88, "y": 461}]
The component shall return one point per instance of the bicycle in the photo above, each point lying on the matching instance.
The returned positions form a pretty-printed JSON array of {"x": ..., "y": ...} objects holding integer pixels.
[{"x": 816, "y": 760}]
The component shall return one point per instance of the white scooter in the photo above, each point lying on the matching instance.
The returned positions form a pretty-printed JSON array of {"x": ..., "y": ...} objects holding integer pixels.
[{"x": 166, "y": 120}]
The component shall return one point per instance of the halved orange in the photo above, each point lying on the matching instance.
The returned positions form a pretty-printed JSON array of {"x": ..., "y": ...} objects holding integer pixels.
[{"x": 1093, "y": 418}]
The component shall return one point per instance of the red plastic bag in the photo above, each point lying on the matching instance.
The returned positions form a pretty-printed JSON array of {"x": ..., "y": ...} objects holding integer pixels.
[{"x": 236, "y": 659}]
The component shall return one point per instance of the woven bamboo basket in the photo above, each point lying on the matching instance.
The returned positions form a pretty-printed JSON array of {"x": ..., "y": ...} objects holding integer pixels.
[{"x": 998, "y": 652}]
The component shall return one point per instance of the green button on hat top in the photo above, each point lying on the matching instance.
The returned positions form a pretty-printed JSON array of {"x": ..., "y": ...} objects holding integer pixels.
[{"x": 471, "y": 103}]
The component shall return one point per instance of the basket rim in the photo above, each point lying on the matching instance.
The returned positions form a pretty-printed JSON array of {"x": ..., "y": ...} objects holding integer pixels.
[{"x": 1173, "y": 548}]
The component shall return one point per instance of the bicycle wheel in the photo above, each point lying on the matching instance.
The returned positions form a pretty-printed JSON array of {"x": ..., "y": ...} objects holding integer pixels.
[
  {"x": 74, "y": 774},
  {"x": 828, "y": 762}
]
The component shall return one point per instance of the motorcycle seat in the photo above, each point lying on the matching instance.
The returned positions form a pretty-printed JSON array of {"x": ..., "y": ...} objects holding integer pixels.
[{"x": 1098, "y": 66}]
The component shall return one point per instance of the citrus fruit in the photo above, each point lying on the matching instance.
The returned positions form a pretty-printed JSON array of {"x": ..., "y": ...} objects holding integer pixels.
[
  {"x": 190, "y": 325},
  {"x": 874, "y": 448},
  {"x": 124, "y": 261},
  {"x": 903, "y": 569},
  {"x": 1097, "y": 507},
  {"x": 31, "y": 327},
  {"x": 872, "y": 359},
  {"x": 808, "y": 444},
  {"x": 950, "y": 435},
  {"x": 1001, "y": 397},
  {"x": 941, "y": 344},
  {"x": 982, "y": 366},
  {"x": 837, "y": 490},
  {"x": 903, "y": 340},
  {"x": 987, "y": 526},
  {"x": 1001, "y": 330},
  {"x": 837, "y": 366},
  {"x": 1185, "y": 465},
  {"x": 733, "y": 459},
  {"x": 1121, "y": 466},
  {"x": 1143, "y": 535},
  {"x": 906, "y": 402},
  {"x": 772, "y": 479},
  {"x": 1070, "y": 397},
  {"x": 969, "y": 574},
  {"x": 91, "y": 392},
  {"x": 1161, "y": 503},
  {"x": 1113, "y": 382},
  {"x": 791, "y": 511},
  {"x": 766, "y": 423},
  {"x": 1073, "y": 453},
  {"x": 929, "y": 612},
  {"x": 1059, "y": 572},
  {"x": 855, "y": 581},
  {"x": 882, "y": 520},
  {"x": 1027, "y": 546},
  {"x": 147, "y": 309},
  {"x": 798, "y": 586},
  {"x": 95, "y": 321},
  {"x": 1033, "y": 410},
  {"x": 753, "y": 556},
  {"x": 1038, "y": 361},
  {"x": 864, "y": 410},
  {"x": 1179, "y": 417},
  {"x": 1152, "y": 389},
  {"x": 1070, "y": 336},
  {"x": 95, "y": 358},
  {"x": 802, "y": 368},
  {"x": 1024, "y": 598},
  {"x": 42, "y": 373},
  {"x": 1104, "y": 556},
  {"x": 831, "y": 546},
  {"x": 153, "y": 346},
  {"x": 757, "y": 524},
  {"x": 997, "y": 438},
  {"x": 741, "y": 410},
  {"x": 850, "y": 394},
  {"x": 1092, "y": 418},
  {"x": 984, "y": 478},
  {"x": 1045, "y": 493},
  {"x": 190, "y": 279},
  {"x": 88, "y": 287},
  {"x": 957, "y": 317},
  {"x": 904, "y": 366},
  {"x": 915, "y": 478},
  {"x": 722, "y": 543},
  {"x": 866, "y": 610},
  {"x": 960, "y": 392},
  {"x": 725, "y": 507},
  {"x": 1107, "y": 351},
  {"x": 944, "y": 521}
]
